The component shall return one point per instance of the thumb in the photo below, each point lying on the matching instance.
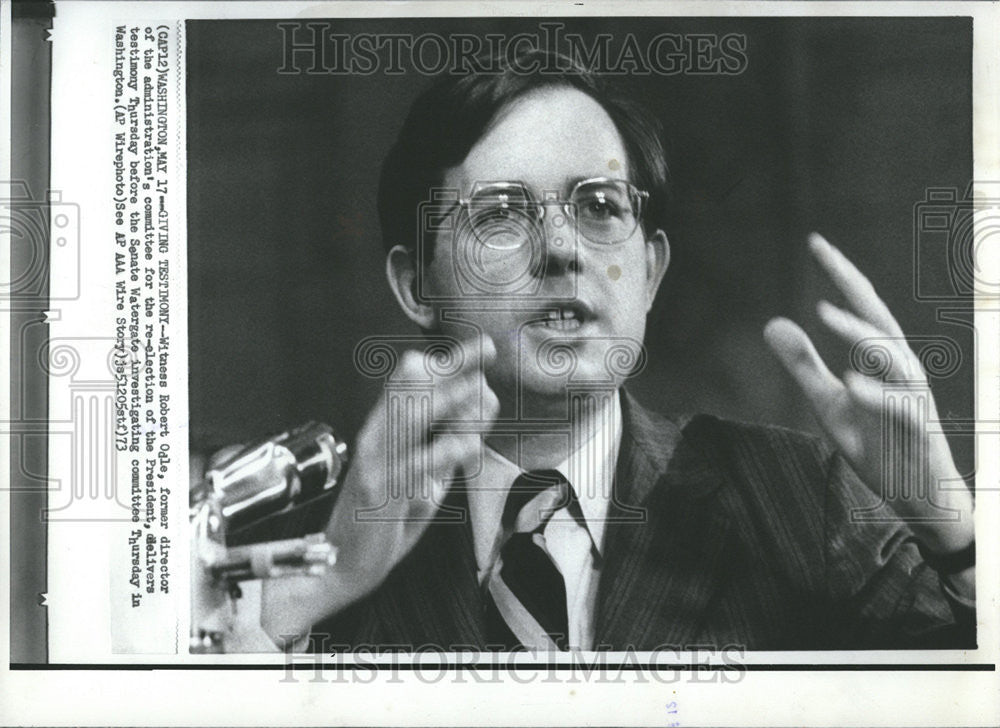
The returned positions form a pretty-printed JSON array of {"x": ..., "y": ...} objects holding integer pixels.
[{"x": 489, "y": 351}]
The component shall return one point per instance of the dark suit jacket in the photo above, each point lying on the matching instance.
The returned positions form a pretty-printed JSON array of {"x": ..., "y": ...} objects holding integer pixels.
[{"x": 720, "y": 534}]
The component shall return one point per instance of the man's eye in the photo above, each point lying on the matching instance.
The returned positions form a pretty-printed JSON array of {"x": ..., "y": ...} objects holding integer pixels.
[{"x": 601, "y": 208}]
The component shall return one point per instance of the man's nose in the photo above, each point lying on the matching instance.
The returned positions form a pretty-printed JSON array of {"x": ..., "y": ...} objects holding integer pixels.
[{"x": 561, "y": 251}]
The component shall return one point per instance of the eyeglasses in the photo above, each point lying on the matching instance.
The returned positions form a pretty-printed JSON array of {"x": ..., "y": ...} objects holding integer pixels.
[{"x": 505, "y": 216}]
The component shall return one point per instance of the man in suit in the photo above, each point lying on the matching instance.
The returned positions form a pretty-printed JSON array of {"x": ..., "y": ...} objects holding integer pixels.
[{"x": 536, "y": 503}]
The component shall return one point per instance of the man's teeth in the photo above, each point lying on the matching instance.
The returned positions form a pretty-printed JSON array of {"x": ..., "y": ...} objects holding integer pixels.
[{"x": 562, "y": 318}]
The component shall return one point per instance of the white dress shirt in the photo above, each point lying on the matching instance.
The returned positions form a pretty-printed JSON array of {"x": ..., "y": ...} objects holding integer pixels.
[{"x": 576, "y": 549}]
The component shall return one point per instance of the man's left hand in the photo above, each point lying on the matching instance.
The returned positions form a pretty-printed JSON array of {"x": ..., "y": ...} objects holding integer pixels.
[{"x": 918, "y": 479}]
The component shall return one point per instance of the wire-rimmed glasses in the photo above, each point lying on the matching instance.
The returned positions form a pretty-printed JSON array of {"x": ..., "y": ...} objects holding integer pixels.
[{"x": 505, "y": 216}]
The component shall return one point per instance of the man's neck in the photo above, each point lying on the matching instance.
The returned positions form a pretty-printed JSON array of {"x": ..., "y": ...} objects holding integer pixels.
[{"x": 572, "y": 425}]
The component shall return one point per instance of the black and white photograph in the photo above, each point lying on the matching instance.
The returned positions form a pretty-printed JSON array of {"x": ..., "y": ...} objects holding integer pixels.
[
  {"x": 514, "y": 364},
  {"x": 612, "y": 317}
]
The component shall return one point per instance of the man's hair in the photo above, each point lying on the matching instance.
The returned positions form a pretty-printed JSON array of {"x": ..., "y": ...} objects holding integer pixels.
[{"x": 447, "y": 120}]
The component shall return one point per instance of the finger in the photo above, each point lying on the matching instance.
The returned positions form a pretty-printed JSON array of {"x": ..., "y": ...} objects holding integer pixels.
[
  {"x": 489, "y": 351},
  {"x": 477, "y": 352},
  {"x": 856, "y": 331},
  {"x": 472, "y": 400},
  {"x": 454, "y": 368},
  {"x": 799, "y": 357},
  {"x": 865, "y": 391},
  {"x": 446, "y": 359},
  {"x": 854, "y": 286},
  {"x": 456, "y": 394},
  {"x": 915, "y": 405}
]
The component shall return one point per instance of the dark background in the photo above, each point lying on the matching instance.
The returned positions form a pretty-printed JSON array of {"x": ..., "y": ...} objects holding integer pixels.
[{"x": 837, "y": 125}]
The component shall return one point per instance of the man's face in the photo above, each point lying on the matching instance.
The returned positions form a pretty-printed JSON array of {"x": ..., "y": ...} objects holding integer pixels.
[{"x": 580, "y": 297}]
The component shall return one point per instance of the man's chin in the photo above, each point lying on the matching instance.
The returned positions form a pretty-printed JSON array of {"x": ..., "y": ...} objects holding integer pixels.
[{"x": 547, "y": 390}]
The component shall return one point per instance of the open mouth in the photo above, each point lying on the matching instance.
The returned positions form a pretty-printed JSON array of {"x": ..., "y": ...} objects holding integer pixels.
[{"x": 565, "y": 317}]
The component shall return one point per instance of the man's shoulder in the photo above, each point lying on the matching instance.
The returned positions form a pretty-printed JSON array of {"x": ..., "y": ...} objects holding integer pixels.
[
  {"x": 751, "y": 458},
  {"x": 769, "y": 483},
  {"x": 740, "y": 437},
  {"x": 720, "y": 437}
]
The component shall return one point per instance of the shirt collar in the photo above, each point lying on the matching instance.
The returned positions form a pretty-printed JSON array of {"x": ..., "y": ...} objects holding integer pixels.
[{"x": 590, "y": 470}]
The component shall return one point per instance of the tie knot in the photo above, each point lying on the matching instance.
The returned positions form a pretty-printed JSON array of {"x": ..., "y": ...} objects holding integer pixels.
[{"x": 533, "y": 498}]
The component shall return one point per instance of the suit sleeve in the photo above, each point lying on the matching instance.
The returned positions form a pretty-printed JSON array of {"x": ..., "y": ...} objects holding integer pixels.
[{"x": 891, "y": 597}]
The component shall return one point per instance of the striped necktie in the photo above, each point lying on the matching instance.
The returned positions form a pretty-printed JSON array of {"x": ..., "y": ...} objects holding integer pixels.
[{"x": 526, "y": 599}]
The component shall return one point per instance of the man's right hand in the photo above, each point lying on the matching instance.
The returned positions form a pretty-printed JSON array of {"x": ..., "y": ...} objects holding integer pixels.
[{"x": 374, "y": 525}]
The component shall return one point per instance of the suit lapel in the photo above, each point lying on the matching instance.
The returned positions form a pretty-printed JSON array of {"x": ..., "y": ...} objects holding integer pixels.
[
  {"x": 666, "y": 536},
  {"x": 663, "y": 555},
  {"x": 438, "y": 595}
]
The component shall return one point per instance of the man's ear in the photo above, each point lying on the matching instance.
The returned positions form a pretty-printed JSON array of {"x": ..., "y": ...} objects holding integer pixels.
[
  {"x": 401, "y": 268},
  {"x": 657, "y": 261}
]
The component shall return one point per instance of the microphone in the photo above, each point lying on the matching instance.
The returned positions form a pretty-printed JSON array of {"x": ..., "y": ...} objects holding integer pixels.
[
  {"x": 262, "y": 479},
  {"x": 270, "y": 476}
]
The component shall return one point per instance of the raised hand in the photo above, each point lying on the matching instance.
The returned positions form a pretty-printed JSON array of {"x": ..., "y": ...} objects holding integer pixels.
[
  {"x": 918, "y": 479},
  {"x": 375, "y": 523}
]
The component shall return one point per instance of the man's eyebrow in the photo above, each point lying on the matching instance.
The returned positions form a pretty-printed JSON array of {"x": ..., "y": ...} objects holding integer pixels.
[
  {"x": 570, "y": 182},
  {"x": 574, "y": 181}
]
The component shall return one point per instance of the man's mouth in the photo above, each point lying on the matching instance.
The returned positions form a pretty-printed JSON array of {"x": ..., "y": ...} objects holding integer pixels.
[
  {"x": 565, "y": 318},
  {"x": 562, "y": 320}
]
